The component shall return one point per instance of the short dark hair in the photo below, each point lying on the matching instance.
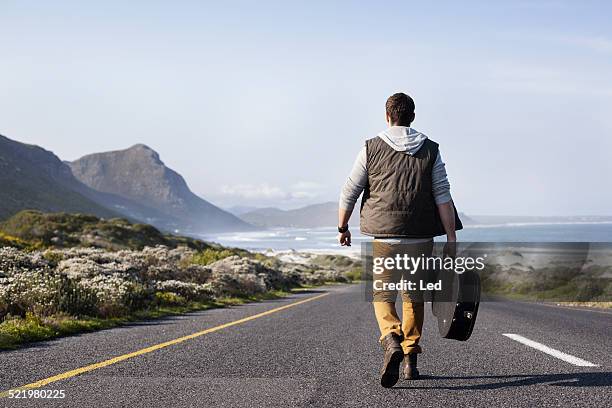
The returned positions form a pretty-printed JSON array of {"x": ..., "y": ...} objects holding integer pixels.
[{"x": 400, "y": 109}]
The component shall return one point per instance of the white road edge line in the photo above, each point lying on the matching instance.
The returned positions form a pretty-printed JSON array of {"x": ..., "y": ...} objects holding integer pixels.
[{"x": 550, "y": 351}]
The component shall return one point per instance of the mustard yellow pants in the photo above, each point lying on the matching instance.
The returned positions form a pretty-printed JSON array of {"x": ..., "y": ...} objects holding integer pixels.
[{"x": 413, "y": 308}]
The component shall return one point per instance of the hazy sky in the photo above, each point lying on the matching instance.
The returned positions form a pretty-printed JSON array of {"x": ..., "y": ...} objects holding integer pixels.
[{"x": 268, "y": 103}]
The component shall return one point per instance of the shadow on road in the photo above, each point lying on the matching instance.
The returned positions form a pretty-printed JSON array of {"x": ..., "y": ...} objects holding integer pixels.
[{"x": 592, "y": 379}]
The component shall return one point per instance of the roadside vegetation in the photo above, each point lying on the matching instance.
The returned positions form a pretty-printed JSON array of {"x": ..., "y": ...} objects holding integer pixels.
[
  {"x": 588, "y": 286},
  {"x": 63, "y": 274}
]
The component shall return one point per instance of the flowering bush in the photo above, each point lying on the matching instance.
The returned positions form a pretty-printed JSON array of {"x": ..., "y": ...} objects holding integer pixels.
[
  {"x": 188, "y": 290},
  {"x": 30, "y": 291},
  {"x": 116, "y": 294},
  {"x": 13, "y": 260},
  {"x": 96, "y": 282},
  {"x": 243, "y": 276}
]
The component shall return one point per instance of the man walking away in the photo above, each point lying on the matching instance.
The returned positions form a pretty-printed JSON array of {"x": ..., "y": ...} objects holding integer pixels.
[{"x": 406, "y": 200}]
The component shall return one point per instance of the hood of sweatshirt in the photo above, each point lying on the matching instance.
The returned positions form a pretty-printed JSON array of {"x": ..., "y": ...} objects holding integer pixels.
[{"x": 403, "y": 139}]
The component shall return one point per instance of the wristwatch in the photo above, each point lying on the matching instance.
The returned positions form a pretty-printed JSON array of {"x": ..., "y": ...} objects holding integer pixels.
[{"x": 342, "y": 230}]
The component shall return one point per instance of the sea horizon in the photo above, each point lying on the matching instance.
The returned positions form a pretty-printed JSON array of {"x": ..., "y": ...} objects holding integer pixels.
[{"x": 323, "y": 239}]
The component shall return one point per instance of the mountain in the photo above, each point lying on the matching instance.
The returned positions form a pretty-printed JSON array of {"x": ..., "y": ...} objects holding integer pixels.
[
  {"x": 238, "y": 210},
  {"x": 34, "y": 178},
  {"x": 311, "y": 216},
  {"x": 137, "y": 174}
]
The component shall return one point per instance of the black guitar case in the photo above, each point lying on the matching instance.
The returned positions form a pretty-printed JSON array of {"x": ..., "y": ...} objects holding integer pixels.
[{"x": 456, "y": 305}]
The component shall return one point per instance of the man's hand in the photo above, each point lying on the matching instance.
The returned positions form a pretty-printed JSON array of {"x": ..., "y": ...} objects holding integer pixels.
[
  {"x": 450, "y": 249},
  {"x": 344, "y": 238},
  {"x": 447, "y": 215}
]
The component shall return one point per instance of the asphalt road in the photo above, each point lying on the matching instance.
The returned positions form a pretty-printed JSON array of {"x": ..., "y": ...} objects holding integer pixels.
[{"x": 323, "y": 352}]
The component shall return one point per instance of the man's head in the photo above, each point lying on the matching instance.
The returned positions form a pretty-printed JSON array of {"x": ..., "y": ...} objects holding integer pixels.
[{"x": 400, "y": 110}]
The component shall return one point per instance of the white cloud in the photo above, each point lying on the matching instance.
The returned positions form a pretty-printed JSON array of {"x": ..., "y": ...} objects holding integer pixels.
[
  {"x": 302, "y": 190},
  {"x": 303, "y": 194},
  {"x": 307, "y": 185},
  {"x": 254, "y": 191},
  {"x": 306, "y": 190}
]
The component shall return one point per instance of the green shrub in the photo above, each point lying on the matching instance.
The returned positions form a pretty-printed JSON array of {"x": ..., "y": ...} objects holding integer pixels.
[
  {"x": 75, "y": 299},
  {"x": 169, "y": 299},
  {"x": 211, "y": 255},
  {"x": 354, "y": 274},
  {"x": 9, "y": 240},
  {"x": 16, "y": 330},
  {"x": 31, "y": 229},
  {"x": 54, "y": 258},
  {"x": 4, "y": 307}
]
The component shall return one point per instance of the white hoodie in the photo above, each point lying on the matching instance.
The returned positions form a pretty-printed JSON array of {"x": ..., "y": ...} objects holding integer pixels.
[{"x": 401, "y": 139}]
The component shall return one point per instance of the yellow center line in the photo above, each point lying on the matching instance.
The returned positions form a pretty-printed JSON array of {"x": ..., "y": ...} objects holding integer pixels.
[{"x": 106, "y": 363}]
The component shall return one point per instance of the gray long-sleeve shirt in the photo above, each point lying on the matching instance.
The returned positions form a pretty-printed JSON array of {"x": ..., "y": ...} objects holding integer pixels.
[{"x": 400, "y": 138}]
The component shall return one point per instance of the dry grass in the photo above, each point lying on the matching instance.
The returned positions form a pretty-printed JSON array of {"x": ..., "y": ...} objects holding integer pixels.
[{"x": 598, "y": 305}]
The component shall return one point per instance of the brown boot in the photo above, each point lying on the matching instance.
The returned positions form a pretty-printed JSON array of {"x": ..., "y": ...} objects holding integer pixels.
[
  {"x": 392, "y": 360},
  {"x": 410, "y": 367}
]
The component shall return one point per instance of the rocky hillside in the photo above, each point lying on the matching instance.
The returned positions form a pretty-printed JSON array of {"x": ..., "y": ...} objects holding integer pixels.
[
  {"x": 34, "y": 229},
  {"x": 138, "y": 174},
  {"x": 34, "y": 178}
]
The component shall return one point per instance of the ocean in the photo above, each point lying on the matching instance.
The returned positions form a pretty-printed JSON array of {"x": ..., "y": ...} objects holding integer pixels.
[{"x": 324, "y": 239}]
